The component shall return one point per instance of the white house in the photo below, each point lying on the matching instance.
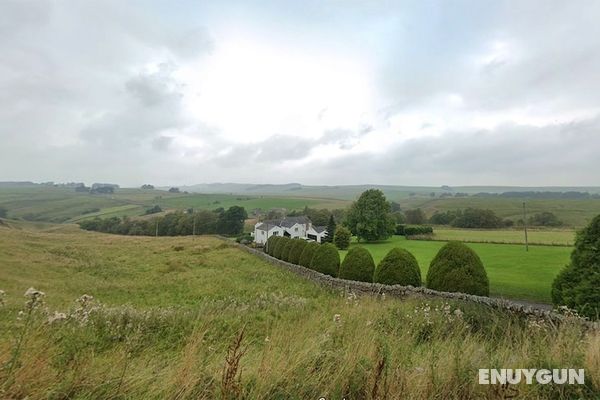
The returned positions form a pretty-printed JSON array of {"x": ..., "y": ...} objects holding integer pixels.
[{"x": 294, "y": 227}]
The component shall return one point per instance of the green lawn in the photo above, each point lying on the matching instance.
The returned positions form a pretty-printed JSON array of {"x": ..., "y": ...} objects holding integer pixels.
[
  {"x": 513, "y": 273},
  {"x": 561, "y": 237}
]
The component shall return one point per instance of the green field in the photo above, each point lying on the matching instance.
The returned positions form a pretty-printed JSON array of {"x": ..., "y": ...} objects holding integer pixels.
[
  {"x": 556, "y": 237},
  {"x": 167, "y": 313},
  {"x": 50, "y": 204},
  {"x": 513, "y": 273},
  {"x": 574, "y": 213}
]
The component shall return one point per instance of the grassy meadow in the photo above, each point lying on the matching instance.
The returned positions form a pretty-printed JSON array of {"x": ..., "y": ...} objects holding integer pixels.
[
  {"x": 512, "y": 272},
  {"x": 58, "y": 205},
  {"x": 573, "y": 213},
  {"x": 196, "y": 318},
  {"x": 551, "y": 237}
]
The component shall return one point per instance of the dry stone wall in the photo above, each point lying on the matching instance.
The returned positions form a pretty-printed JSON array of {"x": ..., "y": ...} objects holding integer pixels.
[{"x": 364, "y": 288}]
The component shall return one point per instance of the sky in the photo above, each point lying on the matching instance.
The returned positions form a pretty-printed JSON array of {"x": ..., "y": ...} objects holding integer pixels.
[{"x": 318, "y": 92}]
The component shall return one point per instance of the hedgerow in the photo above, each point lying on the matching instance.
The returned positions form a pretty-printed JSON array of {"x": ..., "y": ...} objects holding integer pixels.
[
  {"x": 457, "y": 268},
  {"x": 398, "y": 267},
  {"x": 358, "y": 265},
  {"x": 308, "y": 253},
  {"x": 326, "y": 260}
]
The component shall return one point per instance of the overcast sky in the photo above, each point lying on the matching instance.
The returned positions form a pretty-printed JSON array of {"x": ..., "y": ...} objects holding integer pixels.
[{"x": 316, "y": 92}]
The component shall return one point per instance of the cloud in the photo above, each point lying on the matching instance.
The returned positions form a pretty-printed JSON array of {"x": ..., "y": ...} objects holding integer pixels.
[{"x": 411, "y": 93}]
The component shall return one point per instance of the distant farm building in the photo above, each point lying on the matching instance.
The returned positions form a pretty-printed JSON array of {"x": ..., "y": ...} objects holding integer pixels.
[{"x": 294, "y": 227}]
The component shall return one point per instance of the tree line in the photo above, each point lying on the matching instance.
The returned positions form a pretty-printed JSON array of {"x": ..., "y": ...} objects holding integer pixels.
[{"x": 179, "y": 223}]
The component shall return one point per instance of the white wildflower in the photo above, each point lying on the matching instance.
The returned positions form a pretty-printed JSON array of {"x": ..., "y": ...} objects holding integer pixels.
[
  {"x": 337, "y": 318},
  {"x": 2, "y": 297},
  {"x": 57, "y": 317},
  {"x": 34, "y": 296}
]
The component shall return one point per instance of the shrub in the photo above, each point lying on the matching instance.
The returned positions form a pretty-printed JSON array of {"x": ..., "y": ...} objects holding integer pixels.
[
  {"x": 296, "y": 250},
  {"x": 279, "y": 246},
  {"x": 342, "y": 238},
  {"x": 285, "y": 253},
  {"x": 358, "y": 265},
  {"x": 270, "y": 244},
  {"x": 413, "y": 230},
  {"x": 308, "y": 253},
  {"x": 398, "y": 267},
  {"x": 576, "y": 286},
  {"x": 457, "y": 268},
  {"x": 326, "y": 260}
]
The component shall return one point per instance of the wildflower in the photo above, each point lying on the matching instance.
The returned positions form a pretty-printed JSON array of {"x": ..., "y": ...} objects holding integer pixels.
[
  {"x": 458, "y": 313},
  {"x": 85, "y": 299},
  {"x": 2, "y": 296},
  {"x": 337, "y": 318},
  {"x": 57, "y": 317},
  {"x": 34, "y": 296},
  {"x": 267, "y": 340}
]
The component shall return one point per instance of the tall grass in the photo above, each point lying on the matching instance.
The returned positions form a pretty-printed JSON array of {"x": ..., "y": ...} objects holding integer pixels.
[
  {"x": 369, "y": 349},
  {"x": 166, "y": 324}
]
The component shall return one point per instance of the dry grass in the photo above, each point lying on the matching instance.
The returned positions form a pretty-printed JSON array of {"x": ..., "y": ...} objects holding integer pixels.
[{"x": 228, "y": 325}]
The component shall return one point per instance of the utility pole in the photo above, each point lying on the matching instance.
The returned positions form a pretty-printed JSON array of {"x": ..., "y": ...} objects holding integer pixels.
[
  {"x": 156, "y": 233},
  {"x": 194, "y": 227},
  {"x": 525, "y": 226}
]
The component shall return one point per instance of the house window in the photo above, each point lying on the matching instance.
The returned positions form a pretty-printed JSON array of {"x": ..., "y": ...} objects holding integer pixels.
[{"x": 296, "y": 229}]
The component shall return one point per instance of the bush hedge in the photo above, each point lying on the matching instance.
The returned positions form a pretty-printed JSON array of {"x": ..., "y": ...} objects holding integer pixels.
[
  {"x": 577, "y": 286},
  {"x": 412, "y": 230},
  {"x": 326, "y": 260},
  {"x": 457, "y": 268},
  {"x": 296, "y": 250},
  {"x": 308, "y": 253},
  {"x": 342, "y": 238},
  {"x": 285, "y": 253},
  {"x": 279, "y": 246},
  {"x": 398, "y": 267},
  {"x": 358, "y": 265},
  {"x": 269, "y": 246}
]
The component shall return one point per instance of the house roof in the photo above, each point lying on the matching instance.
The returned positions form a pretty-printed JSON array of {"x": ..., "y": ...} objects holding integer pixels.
[
  {"x": 286, "y": 222},
  {"x": 320, "y": 229}
]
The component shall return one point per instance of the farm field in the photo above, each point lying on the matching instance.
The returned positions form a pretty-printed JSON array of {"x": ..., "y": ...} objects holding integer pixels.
[
  {"x": 573, "y": 213},
  {"x": 561, "y": 237},
  {"x": 43, "y": 203},
  {"x": 167, "y": 313},
  {"x": 512, "y": 272}
]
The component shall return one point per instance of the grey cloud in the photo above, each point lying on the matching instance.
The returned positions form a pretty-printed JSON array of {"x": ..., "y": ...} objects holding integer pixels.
[{"x": 509, "y": 154}]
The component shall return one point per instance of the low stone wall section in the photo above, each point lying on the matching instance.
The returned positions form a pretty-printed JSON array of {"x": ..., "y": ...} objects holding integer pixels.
[{"x": 364, "y": 288}]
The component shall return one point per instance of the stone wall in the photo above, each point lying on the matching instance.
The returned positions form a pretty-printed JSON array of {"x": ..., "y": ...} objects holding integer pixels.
[{"x": 365, "y": 288}]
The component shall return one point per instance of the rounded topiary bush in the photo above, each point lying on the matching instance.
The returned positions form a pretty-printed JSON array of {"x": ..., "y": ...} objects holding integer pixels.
[
  {"x": 358, "y": 265},
  {"x": 308, "y": 253},
  {"x": 326, "y": 260},
  {"x": 279, "y": 246},
  {"x": 577, "y": 286},
  {"x": 296, "y": 250},
  {"x": 398, "y": 267},
  {"x": 457, "y": 268},
  {"x": 270, "y": 244},
  {"x": 285, "y": 253}
]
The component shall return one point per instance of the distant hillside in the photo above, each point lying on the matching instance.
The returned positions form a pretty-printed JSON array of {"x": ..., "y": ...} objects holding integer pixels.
[{"x": 348, "y": 192}]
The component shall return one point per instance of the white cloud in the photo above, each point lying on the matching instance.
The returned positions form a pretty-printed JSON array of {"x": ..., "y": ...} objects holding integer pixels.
[{"x": 412, "y": 93}]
